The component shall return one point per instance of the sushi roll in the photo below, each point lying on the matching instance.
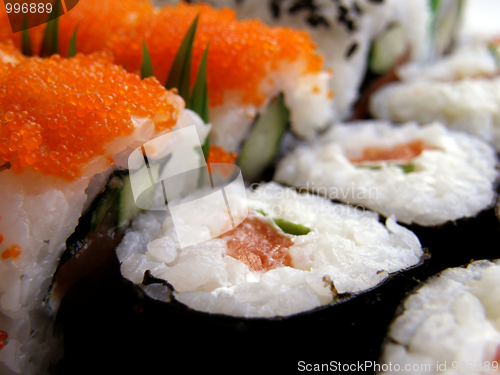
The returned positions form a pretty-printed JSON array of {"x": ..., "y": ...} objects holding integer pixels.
[
  {"x": 361, "y": 40},
  {"x": 67, "y": 127},
  {"x": 461, "y": 91},
  {"x": 450, "y": 324},
  {"x": 426, "y": 175},
  {"x": 297, "y": 269},
  {"x": 248, "y": 63},
  {"x": 293, "y": 253}
]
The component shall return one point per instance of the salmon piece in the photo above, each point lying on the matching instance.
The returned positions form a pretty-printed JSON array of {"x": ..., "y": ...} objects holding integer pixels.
[
  {"x": 404, "y": 152},
  {"x": 259, "y": 245}
]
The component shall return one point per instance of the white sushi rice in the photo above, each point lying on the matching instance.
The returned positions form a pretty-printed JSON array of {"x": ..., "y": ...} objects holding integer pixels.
[
  {"x": 480, "y": 20},
  {"x": 469, "y": 105},
  {"x": 467, "y": 60},
  {"x": 346, "y": 245},
  {"x": 452, "y": 181},
  {"x": 462, "y": 91},
  {"x": 450, "y": 325},
  {"x": 38, "y": 213}
]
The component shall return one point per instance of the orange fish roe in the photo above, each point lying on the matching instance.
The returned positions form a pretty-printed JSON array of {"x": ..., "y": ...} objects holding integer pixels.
[
  {"x": 12, "y": 252},
  {"x": 259, "y": 245},
  {"x": 402, "y": 152},
  {"x": 217, "y": 154},
  {"x": 56, "y": 114},
  {"x": 242, "y": 53}
]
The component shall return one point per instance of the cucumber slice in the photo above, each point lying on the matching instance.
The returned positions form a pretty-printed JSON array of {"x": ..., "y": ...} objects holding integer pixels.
[
  {"x": 286, "y": 226},
  {"x": 119, "y": 198},
  {"x": 407, "y": 168},
  {"x": 127, "y": 208},
  {"x": 495, "y": 53},
  {"x": 291, "y": 228},
  {"x": 262, "y": 145},
  {"x": 387, "y": 49},
  {"x": 105, "y": 202}
]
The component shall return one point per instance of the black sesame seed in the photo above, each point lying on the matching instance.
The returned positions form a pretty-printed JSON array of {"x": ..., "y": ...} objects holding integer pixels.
[
  {"x": 302, "y": 5},
  {"x": 357, "y": 9},
  {"x": 317, "y": 20},
  {"x": 351, "y": 50},
  {"x": 351, "y": 25},
  {"x": 343, "y": 11},
  {"x": 275, "y": 8}
]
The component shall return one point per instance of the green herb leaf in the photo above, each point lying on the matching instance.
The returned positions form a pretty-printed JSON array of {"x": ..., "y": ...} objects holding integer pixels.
[
  {"x": 72, "y": 43},
  {"x": 199, "y": 96},
  {"x": 50, "y": 43},
  {"x": 147, "y": 66},
  {"x": 26, "y": 40},
  {"x": 180, "y": 71},
  {"x": 291, "y": 228}
]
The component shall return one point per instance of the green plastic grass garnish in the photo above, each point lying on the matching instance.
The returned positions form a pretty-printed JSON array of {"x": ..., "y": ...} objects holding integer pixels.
[
  {"x": 199, "y": 96},
  {"x": 50, "y": 42},
  {"x": 72, "y": 43},
  {"x": 26, "y": 40},
  {"x": 146, "y": 66},
  {"x": 180, "y": 74},
  {"x": 180, "y": 71}
]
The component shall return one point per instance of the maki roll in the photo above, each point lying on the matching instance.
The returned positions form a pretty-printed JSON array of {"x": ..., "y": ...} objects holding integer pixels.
[
  {"x": 426, "y": 175},
  {"x": 296, "y": 269},
  {"x": 361, "y": 40},
  {"x": 293, "y": 253},
  {"x": 66, "y": 127},
  {"x": 449, "y": 324},
  {"x": 461, "y": 91}
]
